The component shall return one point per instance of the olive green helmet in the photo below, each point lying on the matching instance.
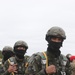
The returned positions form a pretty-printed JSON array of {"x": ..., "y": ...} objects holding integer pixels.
[
  {"x": 21, "y": 43},
  {"x": 68, "y": 56},
  {"x": 56, "y": 31},
  {"x": 7, "y": 48}
]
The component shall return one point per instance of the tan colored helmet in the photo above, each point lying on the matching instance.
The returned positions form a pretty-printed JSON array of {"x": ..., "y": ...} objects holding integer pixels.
[
  {"x": 21, "y": 43},
  {"x": 56, "y": 31}
]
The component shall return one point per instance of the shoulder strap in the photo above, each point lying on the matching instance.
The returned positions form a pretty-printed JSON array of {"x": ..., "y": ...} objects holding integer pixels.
[
  {"x": 46, "y": 59},
  {"x": 10, "y": 63},
  {"x": 12, "y": 60},
  {"x": 25, "y": 61}
]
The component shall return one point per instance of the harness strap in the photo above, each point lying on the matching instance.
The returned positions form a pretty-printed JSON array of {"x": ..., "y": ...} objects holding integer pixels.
[
  {"x": 46, "y": 59},
  {"x": 26, "y": 65},
  {"x": 10, "y": 63}
]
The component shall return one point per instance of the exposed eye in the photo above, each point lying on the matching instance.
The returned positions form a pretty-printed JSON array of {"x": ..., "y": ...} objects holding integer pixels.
[
  {"x": 56, "y": 39},
  {"x": 21, "y": 48},
  {"x": 60, "y": 39}
]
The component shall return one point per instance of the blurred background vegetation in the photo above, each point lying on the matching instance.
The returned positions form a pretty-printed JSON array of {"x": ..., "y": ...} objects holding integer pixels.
[{"x": 1, "y": 54}]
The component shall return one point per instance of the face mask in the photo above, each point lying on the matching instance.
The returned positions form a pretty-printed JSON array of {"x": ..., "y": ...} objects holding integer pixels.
[
  {"x": 54, "y": 45},
  {"x": 8, "y": 55},
  {"x": 20, "y": 53}
]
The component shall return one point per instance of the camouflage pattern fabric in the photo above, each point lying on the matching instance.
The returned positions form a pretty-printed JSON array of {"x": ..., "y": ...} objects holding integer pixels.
[
  {"x": 37, "y": 64},
  {"x": 21, "y": 65}
]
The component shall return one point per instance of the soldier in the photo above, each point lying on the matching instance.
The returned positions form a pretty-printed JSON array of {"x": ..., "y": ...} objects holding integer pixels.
[
  {"x": 16, "y": 65},
  {"x": 50, "y": 62},
  {"x": 7, "y": 52},
  {"x": 72, "y": 63}
]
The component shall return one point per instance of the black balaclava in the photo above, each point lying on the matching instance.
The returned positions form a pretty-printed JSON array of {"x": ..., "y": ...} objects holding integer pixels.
[
  {"x": 19, "y": 53},
  {"x": 7, "y": 55},
  {"x": 54, "y": 47}
]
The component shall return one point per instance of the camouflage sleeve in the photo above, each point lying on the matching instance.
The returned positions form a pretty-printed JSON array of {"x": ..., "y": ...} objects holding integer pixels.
[
  {"x": 68, "y": 68},
  {"x": 6, "y": 65},
  {"x": 72, "y": 64},
  {"x": 35, "y": 66}
]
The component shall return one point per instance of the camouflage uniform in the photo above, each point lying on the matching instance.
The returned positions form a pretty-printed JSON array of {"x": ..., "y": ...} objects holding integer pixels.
[
  {"x": 72, "y": 63},
  {"x": 73, "y": 67},
  {"x": 19, "y": 59},
  {"x": 39, "y": 63},
  {"x": 21, "y": 65}
]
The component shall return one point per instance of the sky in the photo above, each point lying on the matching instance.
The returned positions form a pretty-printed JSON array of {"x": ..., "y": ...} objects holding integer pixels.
[{"x": 29, "y": 20}]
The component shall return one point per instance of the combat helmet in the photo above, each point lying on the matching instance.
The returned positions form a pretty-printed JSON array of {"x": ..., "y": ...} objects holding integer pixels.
[
  {"x": 21, "y": 43},
  {"x": 7, "y": 48},
  {"x": 56, "y": 31},
  {"x": 68, "y": 56}
]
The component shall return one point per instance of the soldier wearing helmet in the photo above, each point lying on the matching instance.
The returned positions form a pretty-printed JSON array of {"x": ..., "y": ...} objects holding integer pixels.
[
  {"x": 20, "y": 49},
  {"x": 55, "y": 37},
  {"x": 7, "y": 52},
  {"x": 50, "y": 62},
  {"x": 17, "y": 64}
]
